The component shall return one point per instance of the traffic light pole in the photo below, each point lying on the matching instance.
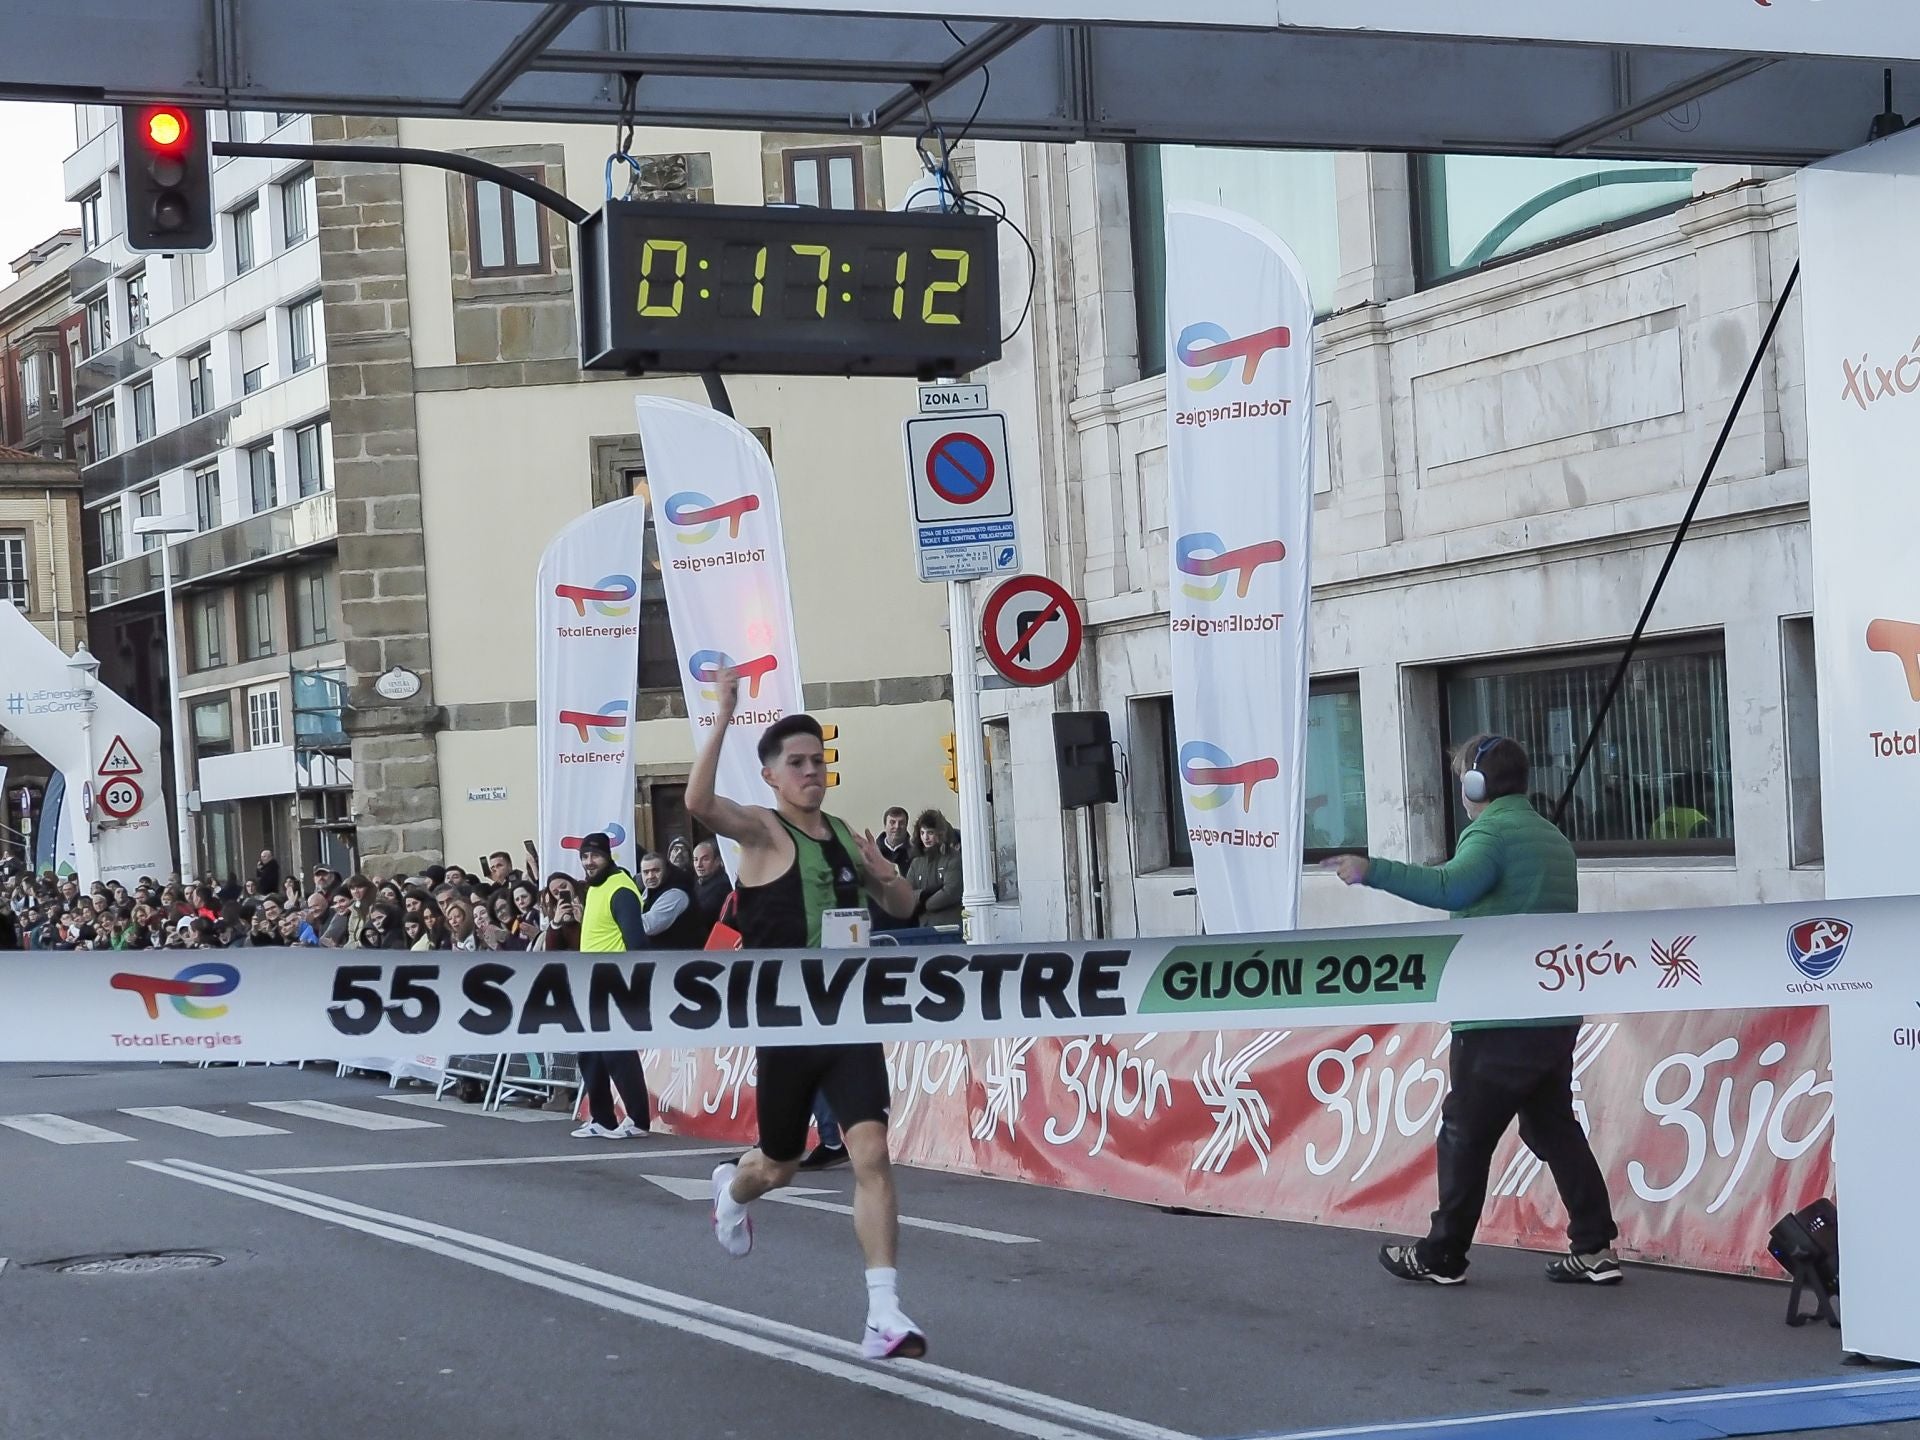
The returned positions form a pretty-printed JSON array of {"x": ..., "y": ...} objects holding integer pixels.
[{"x": 970, "y": 756}]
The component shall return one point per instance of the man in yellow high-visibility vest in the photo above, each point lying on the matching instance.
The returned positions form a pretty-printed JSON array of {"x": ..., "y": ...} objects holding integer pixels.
[{"x": 611, "y": 921}]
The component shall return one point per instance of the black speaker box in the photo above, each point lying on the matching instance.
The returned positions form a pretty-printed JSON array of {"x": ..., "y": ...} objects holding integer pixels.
[{"x": 1083, "y": 754}]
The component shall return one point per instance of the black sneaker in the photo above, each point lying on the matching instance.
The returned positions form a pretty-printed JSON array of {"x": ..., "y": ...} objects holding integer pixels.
[
  {"x": 1404, "y": 1261},
  {"x": 1602, "y": 1267},
  {"x": 824, "y": 1157}
]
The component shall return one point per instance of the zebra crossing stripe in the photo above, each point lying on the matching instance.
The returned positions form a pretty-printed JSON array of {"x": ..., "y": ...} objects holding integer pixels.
[
  {"x": 61, "y": 1130},
  {"x": 206, "y": 1122},
  {"x": 345, "y": 1115}
]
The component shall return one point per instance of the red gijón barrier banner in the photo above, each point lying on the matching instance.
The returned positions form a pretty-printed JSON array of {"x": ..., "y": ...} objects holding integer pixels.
[{"x": 1709, "y": 1125}]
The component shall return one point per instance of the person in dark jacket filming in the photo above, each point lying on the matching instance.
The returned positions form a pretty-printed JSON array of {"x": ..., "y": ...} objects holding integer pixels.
[{"x": 1510, "y": 860}]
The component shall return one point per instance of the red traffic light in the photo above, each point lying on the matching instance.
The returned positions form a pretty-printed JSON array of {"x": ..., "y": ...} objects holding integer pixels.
[{"x": 166, "y": 127}]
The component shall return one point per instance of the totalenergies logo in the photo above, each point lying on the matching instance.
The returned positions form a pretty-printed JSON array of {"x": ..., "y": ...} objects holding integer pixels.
[
  {"x": 1210, "y": 775},
  {"x": 1206, "y": 557},
  {"x": 697, "y": 517},
  {"x": 196, "y": 982},
  {"x": 1208, "y": 347},
  {"x": 610, "y": 597},
  {"x": 706, "y": 665},
  {"x": 1900, "y": 639},
  {"x": 613, "y": 829},
  {"x": 608, "y": 723}
]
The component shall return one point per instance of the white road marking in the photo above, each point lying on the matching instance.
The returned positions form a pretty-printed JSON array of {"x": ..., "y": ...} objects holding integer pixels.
[
  {"x": 345, "y": 1115},
  {"x": 1602, "y": 1407},
  {"x": 460, "y": 1107},
  {"x": 61, "y": 1130},
  {"x": 206, "y": 1122},
  {"x": 499, "y": 1160},
  {"x": 824, "y": 1354},
  {"x": 688, "y": 1189}
]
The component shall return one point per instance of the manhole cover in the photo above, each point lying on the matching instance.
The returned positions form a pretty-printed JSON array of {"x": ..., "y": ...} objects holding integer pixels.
[{"x": 153, "y": 1262}]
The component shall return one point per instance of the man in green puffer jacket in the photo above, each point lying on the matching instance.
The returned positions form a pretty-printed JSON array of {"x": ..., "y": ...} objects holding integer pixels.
[{"x": 1511, "y": 860}]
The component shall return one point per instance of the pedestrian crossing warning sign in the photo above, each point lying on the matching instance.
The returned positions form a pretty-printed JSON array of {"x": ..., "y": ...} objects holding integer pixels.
[{"x": 119, "y": 759}]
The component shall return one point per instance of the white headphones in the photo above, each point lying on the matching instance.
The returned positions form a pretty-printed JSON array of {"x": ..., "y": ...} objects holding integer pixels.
[{"x": 1473, "y": 785}]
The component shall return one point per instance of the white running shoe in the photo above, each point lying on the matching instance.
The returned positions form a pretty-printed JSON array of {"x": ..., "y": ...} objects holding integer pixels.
[
  {"x": 628, "y": 1130},
  {"x": 896, "y": 1338},
  {"x": 735, "y": 1236},
  {"x": 593, "y": 1130}
]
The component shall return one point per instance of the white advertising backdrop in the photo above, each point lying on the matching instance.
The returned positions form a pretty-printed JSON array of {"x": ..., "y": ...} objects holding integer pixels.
[
  {"x": 1861, "y": 308},
  {"x": 587, "y": 665},
  {"x": 1240, "y": 511},
  {"x": 723, "y": 559}
]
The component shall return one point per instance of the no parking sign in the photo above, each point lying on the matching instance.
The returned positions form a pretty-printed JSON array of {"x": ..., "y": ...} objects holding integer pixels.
[{"x": 962, "y": 496}]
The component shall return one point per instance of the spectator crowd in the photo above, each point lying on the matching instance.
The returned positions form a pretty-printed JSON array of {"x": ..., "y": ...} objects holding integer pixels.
[{"x": 497, "y": 905}]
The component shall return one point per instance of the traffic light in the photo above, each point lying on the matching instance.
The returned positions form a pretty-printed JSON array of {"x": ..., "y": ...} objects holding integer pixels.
[
  {"x": 952, "y": 769},
  {"x": 829, "y": 734},
  {"x": 166, "y": 179}
]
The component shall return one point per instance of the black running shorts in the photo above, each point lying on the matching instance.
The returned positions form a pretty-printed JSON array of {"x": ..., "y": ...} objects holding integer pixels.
[{"x": 854, "y": 1078}]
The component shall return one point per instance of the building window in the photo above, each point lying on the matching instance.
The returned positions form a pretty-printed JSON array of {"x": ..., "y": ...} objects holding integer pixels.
[
  {"x": 1801, "y": 684},
  {"x": 253, "y": 357},
  {"x": 256, "y": 621},
  {"x": 1659, "y": 780},
  {"x": 260, "y": 477},
  {"x": 192, "y": 273},
  {"x": 212, "y": 728},
  {"x": 90, "y": 213},
  {"x": 206, "y": 497},
  {"x": 1471, "y": 210},
  {"x": 1291, "y": 192},
  {"x": 136, "y": 286},
  {"x": 143, "y": 412},
  {"x": 14, "y": 588},
  {"x": 200, "y": 384},
  {"x": 281, "y": 117},
  {"x": 998, "y": 742},
  {"x": 103, "y": 426},
  {"x": 263, "y": 718},
  {"x": 505, "y": 232},
  {"x": 1336, "y": 791},
  {"x": 312, "y": 607},
  {"x": 309, "y": 457},
  {"x": 244, "y": 220},
  {"x": 832, "y": 179},
  {"x": 32, "y": 382},
  {"x": 146, "y": 505},
  {"x": 294, "y": 206},
  {"x": 99, "y": 325},
  {"x": 209, "y": 621},
  {"x": 110, "y": 533},
  {"x": 304, "y": 322}
]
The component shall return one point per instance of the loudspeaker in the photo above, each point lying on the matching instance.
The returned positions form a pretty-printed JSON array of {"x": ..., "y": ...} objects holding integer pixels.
[
  {"x": 1083, "y": 754},
  {"x": 1807, "y": 1246}
]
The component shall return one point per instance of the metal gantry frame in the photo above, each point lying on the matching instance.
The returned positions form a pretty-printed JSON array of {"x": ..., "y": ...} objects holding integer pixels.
[{"x": 1707, "y": 80}]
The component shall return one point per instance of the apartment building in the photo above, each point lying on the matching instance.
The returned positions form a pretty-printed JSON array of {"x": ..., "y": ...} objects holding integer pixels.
[
  {"x": 1522, "y": 366},
  {"x": 40, "y": 566},
  {"x": 466, "y": 436},
  {"x": 200, "y": 384}
]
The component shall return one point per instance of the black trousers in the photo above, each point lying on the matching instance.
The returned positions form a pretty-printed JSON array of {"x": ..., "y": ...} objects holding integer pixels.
[
  {"x": 601, "y": 1071},
  {"x": 1524, "y": 1071}
]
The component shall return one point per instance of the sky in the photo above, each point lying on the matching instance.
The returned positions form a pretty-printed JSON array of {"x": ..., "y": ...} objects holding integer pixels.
[{"x": 34, "y": 141}]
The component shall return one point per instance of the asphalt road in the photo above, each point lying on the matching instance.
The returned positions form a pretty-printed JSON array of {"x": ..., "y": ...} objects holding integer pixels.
[{"x": 474, "y": 1276}]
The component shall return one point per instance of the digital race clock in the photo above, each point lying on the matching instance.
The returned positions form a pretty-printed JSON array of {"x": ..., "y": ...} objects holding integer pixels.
[{"x": 787, "y": 291}]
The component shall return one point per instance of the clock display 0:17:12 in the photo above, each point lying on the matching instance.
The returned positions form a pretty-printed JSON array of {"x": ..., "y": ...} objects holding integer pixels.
[{"x": 750, "y": 281}]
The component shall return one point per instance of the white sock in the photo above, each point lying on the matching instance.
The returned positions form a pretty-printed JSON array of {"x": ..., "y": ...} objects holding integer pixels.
[{"x": 883, "y": 1302}]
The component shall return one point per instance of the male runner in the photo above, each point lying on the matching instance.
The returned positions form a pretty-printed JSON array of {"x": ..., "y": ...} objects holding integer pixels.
[{"x": 796, "y": 861}]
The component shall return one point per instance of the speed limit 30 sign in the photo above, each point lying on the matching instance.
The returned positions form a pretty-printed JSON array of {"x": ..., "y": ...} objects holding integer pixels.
[{"x": 120, "y": 797}]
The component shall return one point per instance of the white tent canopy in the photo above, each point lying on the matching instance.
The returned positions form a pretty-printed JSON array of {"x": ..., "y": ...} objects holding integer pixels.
[{"x": 1758, "y": 81}]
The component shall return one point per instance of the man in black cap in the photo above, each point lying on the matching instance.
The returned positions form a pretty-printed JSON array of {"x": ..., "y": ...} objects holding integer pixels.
[{"x": 612, "y": 921}]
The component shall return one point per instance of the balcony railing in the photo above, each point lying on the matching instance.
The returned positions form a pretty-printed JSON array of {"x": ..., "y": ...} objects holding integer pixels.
[{"x": 300, "y": 526}]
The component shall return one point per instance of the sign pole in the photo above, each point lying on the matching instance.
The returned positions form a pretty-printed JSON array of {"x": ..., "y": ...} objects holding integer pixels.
[{"x": 970, "y": 759}]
